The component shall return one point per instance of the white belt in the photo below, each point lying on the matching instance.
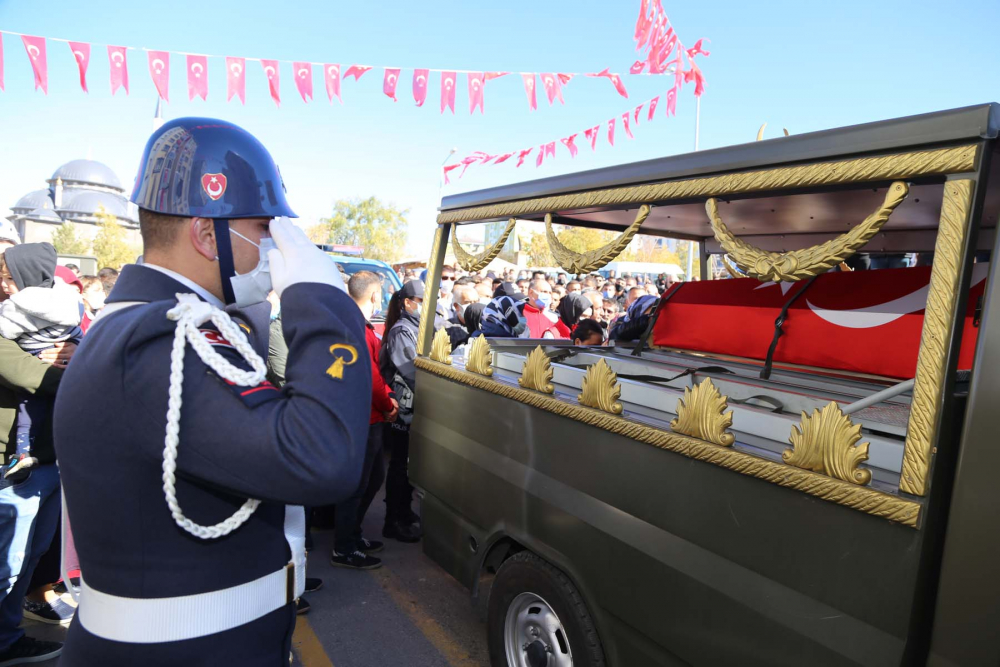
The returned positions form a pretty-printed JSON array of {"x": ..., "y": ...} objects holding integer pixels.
[{"x": 154, "y": 620}]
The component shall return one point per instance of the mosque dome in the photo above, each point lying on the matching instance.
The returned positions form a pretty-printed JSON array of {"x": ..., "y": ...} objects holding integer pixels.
[
  {"x": 87, "y": 203},
  {"x": 87, "y": 172},
  {"x": 33, "y": 200},
  {"x": 44, "y": 215}
]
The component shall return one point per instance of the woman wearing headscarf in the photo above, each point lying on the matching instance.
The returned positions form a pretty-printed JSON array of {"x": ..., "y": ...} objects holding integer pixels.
[
  {"x": 504, "y": 318},
  {"x": 572, "y": 308},
  {"x": 636, "y": 319},
  {"x": 473, "y": 317}
]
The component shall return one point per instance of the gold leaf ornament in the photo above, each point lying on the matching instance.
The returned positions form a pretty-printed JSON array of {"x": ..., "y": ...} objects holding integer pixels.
[
  {"x": 480, "y": 359},
  {"x": 600, "y": 389},
  {"x": 471, "y": 262},
  {"x": 702, "y": 414},
  {"x": 441, "y": 347},
  {"x": 592, "y": 260},
  {"x": 537, "y": 372},
  {"x": 824, "y": 442},
  {"x": 808, "y": 262}
]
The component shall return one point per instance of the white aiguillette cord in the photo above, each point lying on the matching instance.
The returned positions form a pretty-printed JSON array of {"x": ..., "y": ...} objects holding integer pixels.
[{"x": 190, "y": 313}]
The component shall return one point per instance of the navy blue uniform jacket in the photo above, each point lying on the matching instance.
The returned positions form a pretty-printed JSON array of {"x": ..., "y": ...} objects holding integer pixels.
[{"x": 301, "y": 445}]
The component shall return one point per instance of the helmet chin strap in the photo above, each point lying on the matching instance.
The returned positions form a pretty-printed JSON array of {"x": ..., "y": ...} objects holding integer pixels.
[{"x": 227, "y": 269}]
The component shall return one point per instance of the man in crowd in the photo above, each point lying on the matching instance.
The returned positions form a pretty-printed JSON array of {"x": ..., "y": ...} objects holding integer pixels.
[
  {"x": 631, "y": 295},
  {"x": 485, "y": 290},
  {"x": 108, "y": 277},
  {"x": 597, "y": 301},
  {"x": 540, "y": 319},
  {"x": 574, "y": 286}
]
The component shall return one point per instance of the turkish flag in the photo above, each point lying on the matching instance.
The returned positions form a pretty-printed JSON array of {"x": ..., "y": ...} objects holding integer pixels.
[
  {"x": 696, "y": 49},
  {"x": 81, "y": 53},
  {"x": 495, "y": 75},
  {"x": 356, "y": 71},
  {"x": 503, "y": 158},
  {"x": 448, "y": 91},
  {"x": 592, "y": 135},
  {"x": 273, "y": 75},
  {"x": 641, "y": 23},
  {"x": 118, "y": 60},
  {"x": 420, "y": 86},
  {"x": 159, "y": 71},
  {"x": 552, "y": 87},
  {"x": 628, "y": 131},
  {"x": 448, "y": 168},
  {"x": 672, "y": 102},
  {"x": 611, "y": 131},
  {"x": 197, "y": 68},
  {"x": 614, "y": 79},
  {"x": 236, "y": 80},
  {"x": 652, "y": 107},
  {"x": 638, "y": 110},
  {"x": 568, "y": 143},
  {"x": 529, "y": 90},
  {"x": 389, "y": 81},
  {"x": 550, "y": 149},
  {"x": 523, "y": 154},
  {"x": 476, "y": 81},
  {"x": 699, "y": 80},
  {"x": 637, "y": 67},
  {"x": 35, "y": 46},
  {"x": 332, "y": 75},
  {"x": 541, "y": 156},
  {"x": 304, "y": 80}
]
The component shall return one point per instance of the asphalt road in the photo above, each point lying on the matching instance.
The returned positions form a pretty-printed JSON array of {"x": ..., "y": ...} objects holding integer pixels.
[{"x": 408, "y": 613}]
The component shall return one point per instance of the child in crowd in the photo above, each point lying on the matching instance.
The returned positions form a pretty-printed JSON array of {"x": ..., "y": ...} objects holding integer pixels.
[{"x": 38, "y": 313}]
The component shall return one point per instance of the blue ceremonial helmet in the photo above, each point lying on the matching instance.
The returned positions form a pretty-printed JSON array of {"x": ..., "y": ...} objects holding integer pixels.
[{"x": 208, "y": 168}]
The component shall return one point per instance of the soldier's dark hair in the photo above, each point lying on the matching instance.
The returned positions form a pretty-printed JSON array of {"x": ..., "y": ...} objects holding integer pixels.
[
  {"x": 362, "y": 283},
  {"x": 158, "y": 231},
  {"x": 585, "y": 329}
]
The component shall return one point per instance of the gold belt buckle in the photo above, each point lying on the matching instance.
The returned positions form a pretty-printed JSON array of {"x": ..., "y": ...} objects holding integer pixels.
[{"x": 290, "y": 583}]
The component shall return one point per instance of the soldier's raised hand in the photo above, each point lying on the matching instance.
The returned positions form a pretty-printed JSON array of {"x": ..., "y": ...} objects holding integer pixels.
[{"x": 298, "y": 260}]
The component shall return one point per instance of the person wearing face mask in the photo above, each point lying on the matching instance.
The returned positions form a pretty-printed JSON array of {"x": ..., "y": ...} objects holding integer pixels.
[
  {"x": 93, "y": 300},
  {"x": 541, "y": 320},
  {"x": 191, "y": 538},
  {"x": 399, "y": 350}
]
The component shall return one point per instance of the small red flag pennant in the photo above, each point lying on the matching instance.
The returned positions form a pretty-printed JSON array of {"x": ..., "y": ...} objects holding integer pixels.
[
  {"x": 159, "y": 71},
  {"x": 696, "y": 49},
  {"x": 273, "y": 75},
  {"x": 503, "y": 158},
  {"x": 356, "y": 71},
  {"x": 552, "y": 87},
  {"x": 628, "y": 131},
  {"x": 389, "y": 81},
  {"x": 614, "y": 79},
  {"x": 118, "y": 61},
  {"x": 611, "y": 131},
  {"x": 236, "y": 81},
  {"x": 197, "y": 72},
  {"x": 550, "y": 149},
  {"x": 652, "y": 107},
  {"x": 541, "y": 156},
  {"x": 638, "y": 110},
  {"x": 672, "y": 101},
  {"x": 448, "y": 91},
  {"x": 637, "y": 67},
  {"x": 495, "y": 75},
  {"x": 304, "y": 80},
  {"x": 699, "y": 80},
  {"x": 331, "y": 73},
  {"x": 81, "y": 53},
  {"x": 529, "y": 90},
  {"x": 35, "y": 46},
  {"x": 450, "y": 167},
  {"x": 420, "y": 86},
  {"x": 568, "y": 142},
  {"x": 591, "y": 134},
  {"x": 476, "y": 80},
  {"x": 523, "y": 154}
]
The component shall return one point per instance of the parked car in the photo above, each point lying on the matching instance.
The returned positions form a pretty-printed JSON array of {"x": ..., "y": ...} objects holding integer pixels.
[{"x": 353, "y": 263}]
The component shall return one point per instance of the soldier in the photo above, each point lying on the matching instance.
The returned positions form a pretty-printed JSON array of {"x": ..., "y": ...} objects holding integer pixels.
[{"x": 180, "y": 462}]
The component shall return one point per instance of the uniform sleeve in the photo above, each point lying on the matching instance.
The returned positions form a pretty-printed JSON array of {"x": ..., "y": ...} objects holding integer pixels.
[
  {"x": 402, "y": 352},
  {"x": 21, "y": 371},
  {"x": 381, "y": 393},
  {"x": 303, "y": 444},
  {"x": 277, "y": 353}
]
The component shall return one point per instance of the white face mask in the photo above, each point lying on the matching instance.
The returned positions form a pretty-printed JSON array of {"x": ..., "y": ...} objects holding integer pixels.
[
  {"x": 95, "y": 299},
  {"x": 253, "y": 287}
]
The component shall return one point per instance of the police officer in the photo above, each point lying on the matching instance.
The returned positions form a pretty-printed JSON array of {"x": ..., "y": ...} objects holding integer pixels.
[{"x": 180, "y": 462}]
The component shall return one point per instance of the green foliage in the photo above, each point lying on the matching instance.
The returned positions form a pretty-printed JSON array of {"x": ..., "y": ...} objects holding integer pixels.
[
  {"x": 537, "y": 251},
  {"x": 377, "y": 227},
  {"x": 111, "y": 246},
  {"x": 66, "y": 241}
]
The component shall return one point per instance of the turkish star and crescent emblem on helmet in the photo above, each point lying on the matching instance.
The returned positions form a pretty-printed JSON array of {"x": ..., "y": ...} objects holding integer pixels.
[{"x": 214, "y": 185}]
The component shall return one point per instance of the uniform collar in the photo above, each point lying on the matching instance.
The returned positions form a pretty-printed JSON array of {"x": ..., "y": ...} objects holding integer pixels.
[{"x": 149, "y": 282}]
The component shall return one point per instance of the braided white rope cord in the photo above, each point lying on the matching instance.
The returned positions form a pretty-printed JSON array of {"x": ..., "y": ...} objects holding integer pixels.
[{"x": 190, "y": 313}]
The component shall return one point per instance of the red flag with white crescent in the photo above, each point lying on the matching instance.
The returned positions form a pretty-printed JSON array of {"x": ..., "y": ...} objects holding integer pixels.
[
  {"x": 331, "y": 73},
  {"x": 611, "y": 131},
  {"x": 637, "y": 67},
  {"x": 236, "y": 80},
  {"x": 159, "y": 71},
  {"x": 420, "y": 86},
  {"x": 273, "y": 75},
  {"x": 81, "y": 54},
  {"x": 304, "y": 80},
  {"x": 694, "y": 74},
  {"x": 568, "y": 143},
  {"x": 503, "y": 158},
  {"x": 541, "y": 156},
  {"x": 197, "y": 69},
  {"x": 118, "y": 60},
  {"x": 652, "y": 107},
  {"x": 356, "y": 71},
  {"x": 696, "y": 49},
  {"x": 550, "y": 149},
  {"x": 389, "y": 81},
  {"x": 672, "y": 102},
  {"x": 591, "y": 134},
  {"x": 495, "y": 75},
  {"x": 476, "y": 81},
  {"x": 638, "y": 110},
  {"x": 628, "y": 130},
  {"x": 552, "y": 87},
  {"x": 448, "y": 168},
  {"x": 614, "y": 79},
  {"x": 448, "y": 91},
  {"x": 529, "y": 90},
  {"x": 35, "y": 46},
  {"x": 523, "y": 154}
]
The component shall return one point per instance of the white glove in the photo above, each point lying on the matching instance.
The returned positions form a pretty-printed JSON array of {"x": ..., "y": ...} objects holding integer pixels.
[{"x": 298, "y": 260}]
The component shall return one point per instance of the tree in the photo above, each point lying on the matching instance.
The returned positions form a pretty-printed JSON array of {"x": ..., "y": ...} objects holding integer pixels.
[
  {"x": 537, "y": 251},
  {"x": 111, "y": 245},
  {"x": 377, "y": 227},
  {"x": 66, "y": 241}
]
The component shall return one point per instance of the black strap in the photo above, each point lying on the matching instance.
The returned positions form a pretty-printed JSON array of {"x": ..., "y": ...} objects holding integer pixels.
[
  {"x": 765, "y": 373},
  {"x": 226, "y": 268},
  {"x": 637, "y": 351},
  {"x": 656, "y": 378},
  {"x": 776, "y": 405}
]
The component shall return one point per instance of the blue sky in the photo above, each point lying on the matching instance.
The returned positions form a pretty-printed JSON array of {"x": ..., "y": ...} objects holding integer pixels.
[{"x": 801, "y": 65}]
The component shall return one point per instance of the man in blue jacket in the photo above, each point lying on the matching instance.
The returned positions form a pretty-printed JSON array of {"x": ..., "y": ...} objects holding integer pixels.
[{"x": 183, "y": 491}]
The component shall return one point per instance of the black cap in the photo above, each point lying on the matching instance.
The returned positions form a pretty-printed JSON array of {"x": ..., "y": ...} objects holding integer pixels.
[
  {"x": 509, "y": 289},
  {"x": 412, "y": 290}
]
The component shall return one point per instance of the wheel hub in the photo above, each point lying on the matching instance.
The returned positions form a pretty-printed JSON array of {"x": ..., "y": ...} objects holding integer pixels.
[
  {"x": 537, "y": 654},
  {"x": 533, "y": 634}
]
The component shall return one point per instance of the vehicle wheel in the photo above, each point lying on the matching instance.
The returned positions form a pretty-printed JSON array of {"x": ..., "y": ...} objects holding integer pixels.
[{"x": 537, "y": 618}]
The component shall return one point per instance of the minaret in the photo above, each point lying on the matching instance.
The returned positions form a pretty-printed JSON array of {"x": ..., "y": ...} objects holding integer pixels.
[
  {"x": 158, "y": 117},
  {"x": 57, "y": 197}
]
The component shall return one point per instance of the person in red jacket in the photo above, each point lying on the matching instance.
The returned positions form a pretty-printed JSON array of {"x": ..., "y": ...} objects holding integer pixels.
[
  {"x": 351, "y": 549},
  {"x": 541, "y": 320}
]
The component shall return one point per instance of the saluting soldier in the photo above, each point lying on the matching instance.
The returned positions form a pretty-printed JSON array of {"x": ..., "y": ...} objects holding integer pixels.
[{"x": 181, "y": 464}]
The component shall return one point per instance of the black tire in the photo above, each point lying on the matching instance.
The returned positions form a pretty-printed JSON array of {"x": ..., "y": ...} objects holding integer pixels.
[{"x": 527, "y": 573}]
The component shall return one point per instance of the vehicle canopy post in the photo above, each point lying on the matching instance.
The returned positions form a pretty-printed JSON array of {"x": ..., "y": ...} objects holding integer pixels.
[
  {"x": 703, "y": 260},
  {"x": 432, "y": 287}
]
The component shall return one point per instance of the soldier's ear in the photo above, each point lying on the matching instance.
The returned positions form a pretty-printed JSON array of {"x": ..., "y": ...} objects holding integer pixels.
[{"x": 202, "y": 234}]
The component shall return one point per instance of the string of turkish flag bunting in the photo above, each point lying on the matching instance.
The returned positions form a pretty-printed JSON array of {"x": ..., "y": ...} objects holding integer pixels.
[{"x": 664, "y": 54}]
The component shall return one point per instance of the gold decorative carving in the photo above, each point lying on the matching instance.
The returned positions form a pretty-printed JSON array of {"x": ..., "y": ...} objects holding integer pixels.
[
  {"x": 480, "y": 359},
  {"x": 537, "y": 372},
  {"x": 600, "y": 389},
  {"x": 897, "y": 166},
  {"x": 808, "y": 262},
  {"x": 729, "y": 269},
  {"x": 825, "y": 443},
  {"x": 760, "y": 132},
  {"x": 441, "y": 347},
  {"x": 702, "y": 414},
  {"x": 425, "y": 333},
  {"x": 939, "y": 315},
  {"x": 860, "y": 498},
  {"x": 471, "y": 262},
  {"x": 592, "y": 260}
]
